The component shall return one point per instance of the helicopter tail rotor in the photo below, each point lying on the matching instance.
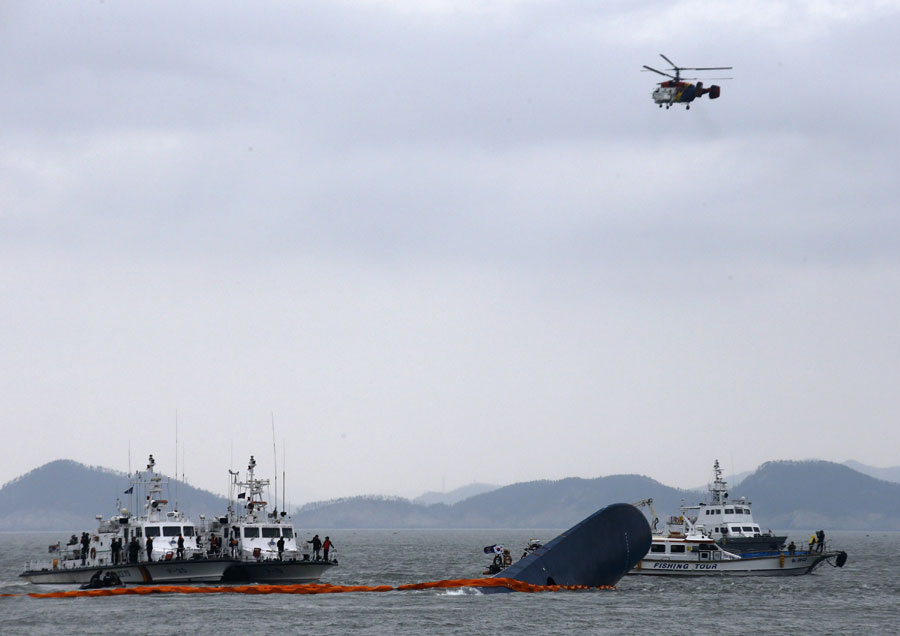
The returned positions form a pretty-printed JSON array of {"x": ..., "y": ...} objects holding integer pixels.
[{"x": 713, "y": 91}]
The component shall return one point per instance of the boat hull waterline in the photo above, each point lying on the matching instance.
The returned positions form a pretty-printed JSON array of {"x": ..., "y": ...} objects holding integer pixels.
[
  {"x": 277, "y": 571},
  {"x": 193, "y": 571}
]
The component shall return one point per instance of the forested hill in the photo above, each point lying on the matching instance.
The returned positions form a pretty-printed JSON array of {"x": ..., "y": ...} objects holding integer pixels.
[
  {"x": 534, "y": 504},
  {"x": 790, "y": 494},
  {"x": 67, "y": 495},
  {"x": 785, "y": 495}
]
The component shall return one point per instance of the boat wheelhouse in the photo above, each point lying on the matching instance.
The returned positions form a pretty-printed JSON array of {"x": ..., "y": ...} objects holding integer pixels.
[{"x": 729, "y": 522}]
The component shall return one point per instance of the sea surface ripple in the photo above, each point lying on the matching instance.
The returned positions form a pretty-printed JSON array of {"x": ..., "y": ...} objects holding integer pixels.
[{"x": 860, "y": 598}]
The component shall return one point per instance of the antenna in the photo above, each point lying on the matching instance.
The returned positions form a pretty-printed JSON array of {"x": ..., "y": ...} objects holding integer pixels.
[
  {"x": 176, "y": 458},
  {"x": 283, "y": 478},
  {"x": 275, "y": 456}
]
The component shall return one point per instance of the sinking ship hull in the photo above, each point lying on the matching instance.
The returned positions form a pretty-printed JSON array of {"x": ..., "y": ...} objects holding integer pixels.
[{"x": 596, "y": 552}]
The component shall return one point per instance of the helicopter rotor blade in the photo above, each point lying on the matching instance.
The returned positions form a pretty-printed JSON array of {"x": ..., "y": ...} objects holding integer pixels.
[
  {"x": 660, "y": 72},
  {"x": 669, "y": 61},
  {"x": 706, "y": 68}
]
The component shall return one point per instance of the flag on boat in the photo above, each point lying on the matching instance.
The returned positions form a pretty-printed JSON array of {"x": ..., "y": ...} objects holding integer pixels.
[
  {"x": 497, "y": 548},
  {"x": 242, "y": 495},
  {"x": 130, "y": 490},
  {"x": 53, "y": 548}
]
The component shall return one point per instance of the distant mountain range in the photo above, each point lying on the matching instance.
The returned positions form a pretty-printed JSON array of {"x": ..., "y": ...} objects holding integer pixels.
[
  {"x": 891, "y": 473},
  {"x": 453, "y": 496},
  {"x": 66, "y": 495},
  {"x": 786, "y": 495}
]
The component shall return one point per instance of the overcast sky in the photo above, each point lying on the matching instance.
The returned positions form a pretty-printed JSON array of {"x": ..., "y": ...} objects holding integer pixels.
[{"x": 445, "y": 242}]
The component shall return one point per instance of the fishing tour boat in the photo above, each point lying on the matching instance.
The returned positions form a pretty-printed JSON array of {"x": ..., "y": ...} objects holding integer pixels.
[
  {"x": 686, "y": 549},
  {"x": 119, "y": 547},
  {"x": 263, "y": 544}
]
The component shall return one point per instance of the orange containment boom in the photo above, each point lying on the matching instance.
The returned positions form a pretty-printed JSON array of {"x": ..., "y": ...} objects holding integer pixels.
[{"x": 311, "y": 588}]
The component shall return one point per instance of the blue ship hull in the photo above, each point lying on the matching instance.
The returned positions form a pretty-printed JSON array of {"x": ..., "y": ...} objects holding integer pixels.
[{"x": 597, "y": 551}]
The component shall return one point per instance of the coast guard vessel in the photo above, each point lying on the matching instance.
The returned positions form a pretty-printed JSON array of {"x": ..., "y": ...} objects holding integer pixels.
[
  {"x": 263, "y": 544},
  {"x": 119, "y": 545}
]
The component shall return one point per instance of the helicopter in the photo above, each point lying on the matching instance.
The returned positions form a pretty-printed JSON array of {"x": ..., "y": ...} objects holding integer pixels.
[{"x": 676, "y": 91}]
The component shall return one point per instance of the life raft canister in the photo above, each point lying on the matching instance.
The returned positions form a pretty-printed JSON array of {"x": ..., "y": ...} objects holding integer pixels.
[{"x": 93, "y": 553}]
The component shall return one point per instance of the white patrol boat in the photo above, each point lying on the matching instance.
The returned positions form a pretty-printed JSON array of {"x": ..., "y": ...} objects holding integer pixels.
[
  {"x": 686, "y": 549},
  {"x": 119, "y": 546},
  {"x": 263, "y": 543},
  {"x": 730, "y": 523}
]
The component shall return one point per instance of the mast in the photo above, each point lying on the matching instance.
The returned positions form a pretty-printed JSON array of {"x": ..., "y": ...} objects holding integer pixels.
[
  {"x": 719, "y": 488},
  {"x": 176, "y": 459},
  {"x": 275, "y": 456}
]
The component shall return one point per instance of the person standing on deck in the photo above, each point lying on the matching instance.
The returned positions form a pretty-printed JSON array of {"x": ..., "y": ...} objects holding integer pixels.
[
  {"x": 150, "y": 549},
  {"x": 134, "y": 549},
  {"x": 280, "y": 545},
  {"x": 85, "y": 546},
  {"x": 326, "y": 547},
  {"x": 316, "y": 546},
  {"x": 179, "y": 551}
]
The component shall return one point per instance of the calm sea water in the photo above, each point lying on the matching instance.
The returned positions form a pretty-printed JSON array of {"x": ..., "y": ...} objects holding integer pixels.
[{"x": 861, "y": 598}]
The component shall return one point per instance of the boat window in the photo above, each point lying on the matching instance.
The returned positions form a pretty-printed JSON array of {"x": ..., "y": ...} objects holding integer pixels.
[
  {"x": 171, "y": 531},
  {"x": 251, "y": 532},
  {"x": 677, "y": 548},
  {"x": 152, "y": 531},
  {"x": 657, "y": 547},
  {"x": 188, "y": 531},
  {"x": 747, "y": 528},
  {"x": 137, "y": 532},
  {"x": 729, "y": 511},
  {"x": 735, "y": 528},
  {"x": 708, "y": 546},
  {"x": 756, "y": 529},
  {"x": 287, "y": 533},
  {"x": 269, "y": 532}
]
